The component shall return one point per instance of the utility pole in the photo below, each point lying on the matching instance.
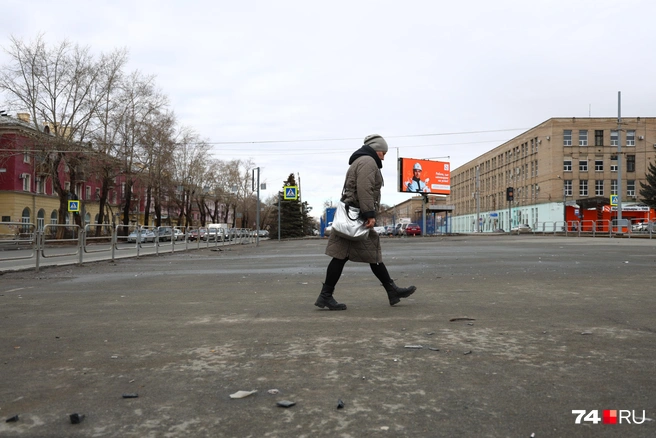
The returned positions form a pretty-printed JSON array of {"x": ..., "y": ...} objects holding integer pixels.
[
  {"x": 257, "y": 212},
  {"x": 478, "y": 200},
  {"x": 619, "y": 161}
]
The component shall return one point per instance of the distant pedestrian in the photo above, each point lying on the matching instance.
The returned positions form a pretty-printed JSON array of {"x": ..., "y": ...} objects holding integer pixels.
[{"x": 361, "y": 190}]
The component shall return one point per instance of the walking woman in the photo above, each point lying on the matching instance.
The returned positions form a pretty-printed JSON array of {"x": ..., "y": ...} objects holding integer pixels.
[{"x": 362, "y": 190}]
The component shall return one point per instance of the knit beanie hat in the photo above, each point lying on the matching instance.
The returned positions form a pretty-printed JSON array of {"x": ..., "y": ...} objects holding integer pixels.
[{"x": 376, "y": 142}]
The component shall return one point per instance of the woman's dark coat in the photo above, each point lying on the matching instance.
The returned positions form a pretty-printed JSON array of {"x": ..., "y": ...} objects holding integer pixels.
[{"x": 361, "y": 189}]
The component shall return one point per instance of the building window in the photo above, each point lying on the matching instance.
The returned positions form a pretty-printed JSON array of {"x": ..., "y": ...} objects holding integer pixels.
[
  {"x": 26, "y": 155},
  {"x": 583, "y": 165},
  {"x": 27, "y": 182},
  {"x": 40, "y": 184},
  {"x": 25, "y": 219},
  {"x": 567, "y": 165},
  {"x": 599, "y": 187},
  {"x": 583, "y": 187},
  {"x": 567, "y": 137},
  {"x": 67, "y": 186},
  {"x": 87, "y": 193},
  {"x": 583, "y": 137},
  {"x": 613, "y": 187},
  {"x": 599, "y": 137},
  {"x": 53, "y": 217},
  {"x": 614, "y": 137},
  {"x": 630, "y": 138},
  {"x": 630, "y": 187},
  {"x": 567, "y": 187},
  {"x": 630, "y": 163},
  {"x": 613, "y": 163},
  {"x": 599, "y": 164},
  {"x": 41, "y": 219}
]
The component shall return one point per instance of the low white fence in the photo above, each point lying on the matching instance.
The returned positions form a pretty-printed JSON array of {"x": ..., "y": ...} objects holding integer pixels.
[
  {"x": 596, "y": 228},
  {"x": 20, "y": 241}
]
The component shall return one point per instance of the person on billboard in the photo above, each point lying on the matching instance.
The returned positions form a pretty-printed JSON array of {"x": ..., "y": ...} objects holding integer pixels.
[
  {"x": 362, "y": 190},
  {"x": 416, "y": 184}
]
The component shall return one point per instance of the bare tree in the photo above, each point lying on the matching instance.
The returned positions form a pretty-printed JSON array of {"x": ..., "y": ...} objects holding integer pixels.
[
  {"x": 157, "y": 136},
  {"x": 141, "y": 101},
  {"x": 61, "y": 87},
  {"x": 189, "y": 168}
]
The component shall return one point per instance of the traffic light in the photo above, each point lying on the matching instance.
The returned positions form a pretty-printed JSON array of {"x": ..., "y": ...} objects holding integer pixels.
[{"x": 510, "y": 193}]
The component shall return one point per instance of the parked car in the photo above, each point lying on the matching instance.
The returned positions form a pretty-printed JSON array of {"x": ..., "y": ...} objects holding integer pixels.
[
  {"x": 640, "y": 226},
  {"x": 380, "y": 230},
  {"x": 397, "y": 230},
  {"x": 198, "y": 233},
  {"x": 412, "y": 229},
  {"x": 145, "y": 235},
  {"x": 212, "y": 235},
  {"x": 520, "y": 229},
  {"x": 164, "y": 233},
  {"x": 179, "y": 235}
]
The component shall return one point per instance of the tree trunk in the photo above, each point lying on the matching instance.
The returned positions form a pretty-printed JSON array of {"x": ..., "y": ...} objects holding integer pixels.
[{"x": 147, "y": 208}]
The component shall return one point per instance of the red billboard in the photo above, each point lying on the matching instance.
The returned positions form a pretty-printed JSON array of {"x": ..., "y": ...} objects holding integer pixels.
[{"x": 424, "y": 176}]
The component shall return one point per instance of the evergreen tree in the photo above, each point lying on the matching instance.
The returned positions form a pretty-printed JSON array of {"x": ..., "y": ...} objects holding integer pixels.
[
  {"x": 308, "y": 221},
  {"x": 648, "y": 189},
  {"x": 291, "y": 214}
]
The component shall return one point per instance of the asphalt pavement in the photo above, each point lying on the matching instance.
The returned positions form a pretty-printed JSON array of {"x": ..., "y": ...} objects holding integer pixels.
[{"x": 505, "y": 337}]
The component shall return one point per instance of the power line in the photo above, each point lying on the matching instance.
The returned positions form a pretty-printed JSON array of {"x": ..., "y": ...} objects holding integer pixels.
[
  {"x": 333, "y": 151},
  {"x": 360, "y": 138}
]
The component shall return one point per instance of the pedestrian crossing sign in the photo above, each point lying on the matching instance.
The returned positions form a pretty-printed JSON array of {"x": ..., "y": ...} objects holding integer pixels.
[
  {"x": 613, "y": 200},
  {"x": 291, "y": 193},
  {"x": 73, "y": 206}
]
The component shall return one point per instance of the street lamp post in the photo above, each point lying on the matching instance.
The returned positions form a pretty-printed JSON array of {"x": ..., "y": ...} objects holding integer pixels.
[{"x": 257, "y": 212}]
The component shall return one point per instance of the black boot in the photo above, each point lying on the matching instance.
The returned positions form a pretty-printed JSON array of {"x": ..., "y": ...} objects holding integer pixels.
[
  {"x": 395, "y": 293},
  {"x": 326, "y": 299}
]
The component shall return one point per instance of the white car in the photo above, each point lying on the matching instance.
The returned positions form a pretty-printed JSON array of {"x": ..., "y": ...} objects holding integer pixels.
[
  {"x": 521, "y": 228},
  {"x": 144, "y": 236},
  {"x": 179, "y": 235}
]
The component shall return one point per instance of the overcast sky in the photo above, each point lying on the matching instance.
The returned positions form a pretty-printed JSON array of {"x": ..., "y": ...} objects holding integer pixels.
[{"x": 436, "y": 78}]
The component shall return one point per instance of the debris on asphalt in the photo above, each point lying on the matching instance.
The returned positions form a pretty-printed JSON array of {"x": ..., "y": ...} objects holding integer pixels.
[
  {"x": 586, "y": 333},
  {"x": 12, "y": 419},
  {"x": 131, "y": 395},
  {"x": 415, "y": 347},
  {"x": 433, "y": 349},
  {"x": 464, "y": 318},
  {"x": 76, "y": 418},
  {"x": 468, "y": 352},
  {"x": 273, "y": 391},
  {"x": 242, "y": 394},
  {"x": 430, "y": 333},
  {"x": 285, "y": 403},
  {"x": 340, "y": 404}
]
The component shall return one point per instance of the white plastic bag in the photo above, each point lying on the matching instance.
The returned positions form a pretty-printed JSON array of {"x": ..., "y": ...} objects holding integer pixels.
[{"x": 348, "y": 224}]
